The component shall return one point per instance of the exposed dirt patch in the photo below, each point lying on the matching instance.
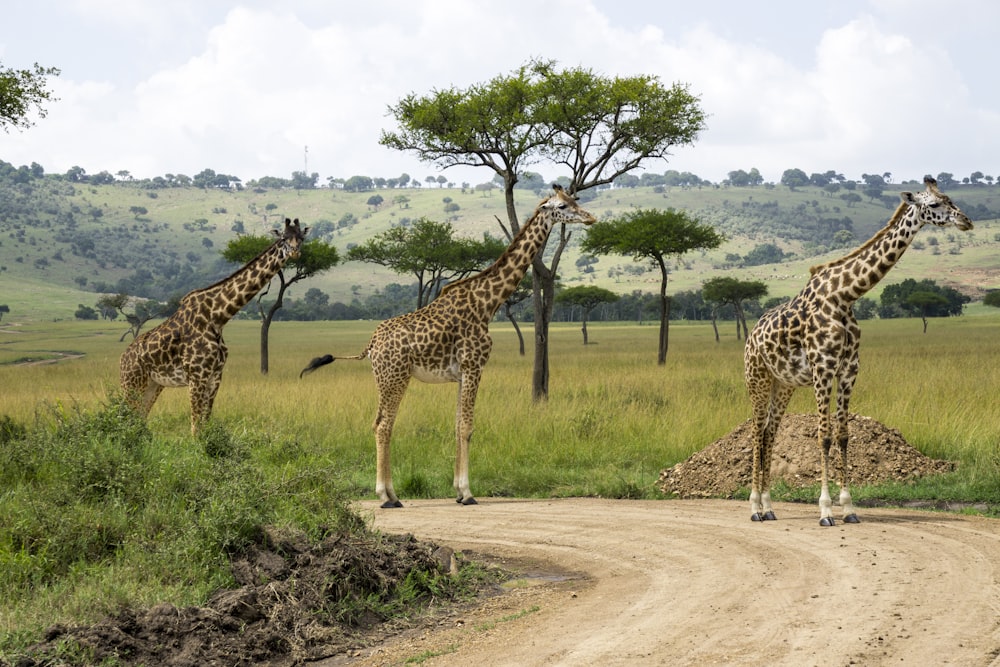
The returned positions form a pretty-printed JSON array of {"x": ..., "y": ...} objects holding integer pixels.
[
  {"x": 279, "y": 615},
  {"x": 875, "y": 454}
]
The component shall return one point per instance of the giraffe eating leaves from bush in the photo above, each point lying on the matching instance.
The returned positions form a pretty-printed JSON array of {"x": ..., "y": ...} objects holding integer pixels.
[
  {"x": 448, "y": 341},
  {"x": 812, "y": 341}
]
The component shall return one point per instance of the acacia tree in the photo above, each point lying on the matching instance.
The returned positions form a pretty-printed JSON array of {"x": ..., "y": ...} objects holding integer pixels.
[
  {"x": 654, "y": 236},
  {"x": 428, "y": 250},
  {"x": 925, "y": 304},
  {"x": 22, "y": 91},
  {"x": 315, "y": 257},
  {"x": 143, "y": 310},
  {"x": 587, "y": 297},
  {"x": 598, "y": 127},
  {"x": 724, "y": 290}
]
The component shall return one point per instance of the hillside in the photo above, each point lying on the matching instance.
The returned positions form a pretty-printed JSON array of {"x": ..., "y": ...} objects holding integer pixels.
[{"x": 63, "y": 242}]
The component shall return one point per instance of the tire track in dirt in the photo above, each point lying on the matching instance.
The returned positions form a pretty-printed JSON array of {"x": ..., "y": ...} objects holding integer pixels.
[{"x": 695, "y": 582}]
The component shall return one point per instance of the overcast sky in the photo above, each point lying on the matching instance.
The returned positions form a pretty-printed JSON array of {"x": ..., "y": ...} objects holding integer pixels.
[{"x": 152, "y": 87}]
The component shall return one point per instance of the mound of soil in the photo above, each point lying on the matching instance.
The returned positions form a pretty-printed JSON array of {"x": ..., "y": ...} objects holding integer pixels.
[
  {"x": 875, "y": 454},
  {"x": 279, "y": 614}
]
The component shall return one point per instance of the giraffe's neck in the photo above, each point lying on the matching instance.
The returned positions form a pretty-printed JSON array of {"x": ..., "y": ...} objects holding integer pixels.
[
  {"x": 497, "y": 282},
  {"x": 228, "y": 296},
  {"x": 851, "y": 277}
]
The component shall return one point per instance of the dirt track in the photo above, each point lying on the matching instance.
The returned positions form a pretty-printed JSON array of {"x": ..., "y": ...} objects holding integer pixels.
[{"x": 694, "y": 582}]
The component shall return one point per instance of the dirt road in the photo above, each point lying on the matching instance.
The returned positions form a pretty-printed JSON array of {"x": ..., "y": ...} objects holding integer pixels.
[{"x": 696, "y": 583}]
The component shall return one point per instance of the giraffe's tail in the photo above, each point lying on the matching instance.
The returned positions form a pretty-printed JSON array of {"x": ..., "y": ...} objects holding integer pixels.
[{"x": 324, "y": 360}]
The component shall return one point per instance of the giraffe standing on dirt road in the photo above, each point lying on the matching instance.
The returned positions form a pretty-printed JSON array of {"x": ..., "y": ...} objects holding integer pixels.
[{"x": 812, "y": 341}]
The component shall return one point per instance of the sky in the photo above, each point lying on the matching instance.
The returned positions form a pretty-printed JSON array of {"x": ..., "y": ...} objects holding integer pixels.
[{"x": 259, "y": 88}]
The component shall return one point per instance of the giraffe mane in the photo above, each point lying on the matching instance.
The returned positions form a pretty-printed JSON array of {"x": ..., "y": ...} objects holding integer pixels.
[{"x": 866, "y": 245}]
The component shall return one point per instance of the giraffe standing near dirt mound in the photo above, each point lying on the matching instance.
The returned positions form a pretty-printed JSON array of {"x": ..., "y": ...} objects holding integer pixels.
[
  {"x": 812, "y": 341},
  {"x": 187, "y": 348},
  {"x": 448, "y": 341}
]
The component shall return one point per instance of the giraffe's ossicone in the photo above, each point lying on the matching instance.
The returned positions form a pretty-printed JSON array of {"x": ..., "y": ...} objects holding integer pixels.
[
  {"x": 187, "y": 349},
  {"x": 448, "y": 341},
  {"x": 813, "y": 340}
]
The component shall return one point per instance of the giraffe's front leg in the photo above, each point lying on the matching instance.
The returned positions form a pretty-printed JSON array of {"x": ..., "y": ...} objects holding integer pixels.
[
  {"x": 468, "y": 386},
  {"x": 845, "y": 386},
  {"x": 202, "y": 394}
]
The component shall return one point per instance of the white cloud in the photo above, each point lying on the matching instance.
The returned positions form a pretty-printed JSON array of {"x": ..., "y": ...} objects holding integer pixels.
[{"x": 243, "y": 90}]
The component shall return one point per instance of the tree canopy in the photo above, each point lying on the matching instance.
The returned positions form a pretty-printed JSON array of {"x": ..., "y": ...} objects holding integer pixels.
[
  {"x": 727, "y": 290},
  {"x": 587, "y": 297},
  {"x": 428, "y": 250},
  {"x": 23, "y": 91},
  {"x": 652, "y": 235},
  {"x": 895, "y": 300}
]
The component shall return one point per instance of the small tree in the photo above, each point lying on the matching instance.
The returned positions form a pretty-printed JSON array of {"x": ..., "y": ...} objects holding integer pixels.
[
  {"x": 315, "y": 258},
  {"x": 587, "y": 297},
  {"x": 725, "y": 290},
  {"x": 924, "y": 304},
  {"x": 992, "y": 299},
  {"x": 142, "y": 311},
  {"x": 654, "y": 236},
  {"x": 427, "y": 250},
  {"x": 4, "y": 308}
]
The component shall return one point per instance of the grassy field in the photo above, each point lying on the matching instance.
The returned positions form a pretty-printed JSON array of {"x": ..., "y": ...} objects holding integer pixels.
[
  {"x": 613, "y": 421},
  {"x": 99, "y": 510}
]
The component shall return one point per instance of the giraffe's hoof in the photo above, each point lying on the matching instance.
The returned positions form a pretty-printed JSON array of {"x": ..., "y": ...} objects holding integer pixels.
[
  {"x": 390, "y": 504},
  {"x": 769, "y": 516},
  {"x": 756, "y": 516},
  {"x": 852, "y": 518},
  {"x": 466, "y": 501},
  {"x": 827, "y": 521}
]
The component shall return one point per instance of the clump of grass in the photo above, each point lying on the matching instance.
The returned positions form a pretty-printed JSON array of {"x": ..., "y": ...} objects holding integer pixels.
[{"x": 96, "y": 514}]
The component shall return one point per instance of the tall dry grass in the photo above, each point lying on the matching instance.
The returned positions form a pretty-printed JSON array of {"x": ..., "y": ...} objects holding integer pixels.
[{"x": 613, "y": 420}]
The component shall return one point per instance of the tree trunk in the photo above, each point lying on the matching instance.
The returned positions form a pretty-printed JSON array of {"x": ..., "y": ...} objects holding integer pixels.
[
  {"x": 517, "y": 329},
  {"x": 715, "y": 327},
  {"x": 265, "y": 326},
  {"x": 924, "y": 318},
  {"x": 265, "y": 322},
  {"x": 584, "y": 327},
  {"x": 661, "y": 357},
  {"x": 543, "y": 312}
]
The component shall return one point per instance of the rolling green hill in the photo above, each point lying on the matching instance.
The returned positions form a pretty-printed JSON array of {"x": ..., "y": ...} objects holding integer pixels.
[{"x": 61, "y": 243}]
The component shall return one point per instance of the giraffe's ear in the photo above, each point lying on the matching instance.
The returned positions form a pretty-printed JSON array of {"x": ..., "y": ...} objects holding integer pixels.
[{"x": 907, "y": 197}]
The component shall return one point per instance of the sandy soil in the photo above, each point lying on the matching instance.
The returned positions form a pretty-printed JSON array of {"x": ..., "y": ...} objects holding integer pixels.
[{"x": 695, "y": 582}]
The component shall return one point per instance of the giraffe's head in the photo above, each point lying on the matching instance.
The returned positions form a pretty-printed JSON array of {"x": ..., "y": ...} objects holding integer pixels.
[
  {"x": 563, "y": 207},
  {"x": 291, "y": 238},
  {"x": 936, "y": 208}
]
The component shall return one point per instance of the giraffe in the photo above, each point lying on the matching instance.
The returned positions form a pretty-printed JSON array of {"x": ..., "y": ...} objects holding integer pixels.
[
  {"x": 448, "y": 341},
  {"x": 813, "y": 340},
  {"x": 187, "y": 348}
]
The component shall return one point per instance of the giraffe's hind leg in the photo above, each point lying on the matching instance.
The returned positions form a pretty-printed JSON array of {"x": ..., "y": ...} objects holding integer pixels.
[{"x": 388, "y": 405}]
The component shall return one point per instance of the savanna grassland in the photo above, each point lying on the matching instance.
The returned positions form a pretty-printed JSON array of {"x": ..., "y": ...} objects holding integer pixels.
[
  {"x": 100, "y": 511},
  {"x": 613, "y": 421},
  {"x": 48, "y": 266}
]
